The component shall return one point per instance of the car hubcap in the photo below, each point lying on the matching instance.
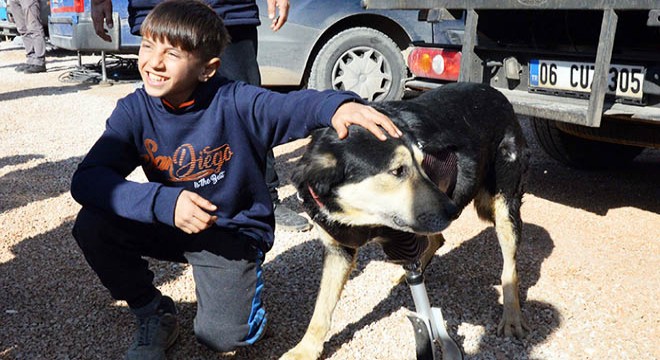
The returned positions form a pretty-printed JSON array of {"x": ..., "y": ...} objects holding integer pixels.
[{"x": 364, "y": 71}]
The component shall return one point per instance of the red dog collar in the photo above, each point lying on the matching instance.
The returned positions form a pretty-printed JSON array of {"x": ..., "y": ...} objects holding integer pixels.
[{"x": 314, "y": 196}]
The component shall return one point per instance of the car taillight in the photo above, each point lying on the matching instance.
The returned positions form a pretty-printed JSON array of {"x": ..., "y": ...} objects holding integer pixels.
[
  {"x": 435, "y": 63},
  {"x": 68, "y": 6}
]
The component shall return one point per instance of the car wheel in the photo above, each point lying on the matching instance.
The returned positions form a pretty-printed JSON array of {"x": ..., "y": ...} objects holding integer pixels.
[
  {"x": 361, "y": 60},
  {"x": 579, "y": 152}
]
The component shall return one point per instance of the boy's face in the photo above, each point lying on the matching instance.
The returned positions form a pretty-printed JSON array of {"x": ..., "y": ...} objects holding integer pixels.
[{"x": 171, "y": 73}]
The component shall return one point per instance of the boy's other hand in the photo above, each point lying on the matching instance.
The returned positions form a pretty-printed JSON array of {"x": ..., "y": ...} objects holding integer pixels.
[
  {"x": 278, "y": 12},
  {"x": 102, "y": 13},
  {"x": 369, "y": 118},
  {"x": 191, "y": 213}
]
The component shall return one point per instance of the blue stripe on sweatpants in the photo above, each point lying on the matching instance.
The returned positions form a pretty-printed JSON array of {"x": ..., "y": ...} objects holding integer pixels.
[{"x": 258, "y": 318}]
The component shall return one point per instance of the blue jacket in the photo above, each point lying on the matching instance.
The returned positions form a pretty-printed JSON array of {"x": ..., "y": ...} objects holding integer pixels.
[
  {"x": 233, "y": 12},
  {"x": 215, "y": 147}
]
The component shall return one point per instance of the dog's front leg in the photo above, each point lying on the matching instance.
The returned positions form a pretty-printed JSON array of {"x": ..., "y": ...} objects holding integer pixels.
[{"x": 337, "y": 265}]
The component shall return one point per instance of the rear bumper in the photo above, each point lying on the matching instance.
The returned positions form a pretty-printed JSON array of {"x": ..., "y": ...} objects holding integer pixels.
[
  {"x": 76, "y": 32},
  {"x": 8, "y": 28},
  {"x": 559, "y": 108}
]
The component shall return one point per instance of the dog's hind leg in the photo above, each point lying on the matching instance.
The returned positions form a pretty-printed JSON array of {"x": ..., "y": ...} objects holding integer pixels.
[
  {"x": 499, "y": 201},
  {"x": 338, "y": 263},
  {"x": 507, "y": 226}
]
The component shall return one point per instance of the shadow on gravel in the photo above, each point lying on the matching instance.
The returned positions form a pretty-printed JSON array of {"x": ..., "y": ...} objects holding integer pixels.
[
  {"x": 21, "y": 187},
  {"x": 596, "y": 191},
  {"x": 52, "y": 302},
  {"x": 460, "y": 282},
  {"x": 635, "y": 185},
  {"x": 18, "y": 159},
  {"x": 49, "y": 64},
  {"x": 53, "y": 306},
  {"x": 44, "y": 91}
]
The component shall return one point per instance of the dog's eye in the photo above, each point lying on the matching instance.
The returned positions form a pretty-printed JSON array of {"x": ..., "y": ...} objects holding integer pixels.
[{"x": 399, "y": 172}]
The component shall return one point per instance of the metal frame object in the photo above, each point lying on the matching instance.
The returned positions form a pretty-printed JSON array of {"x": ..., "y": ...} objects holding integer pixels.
[{"x": 587, "y": 112}]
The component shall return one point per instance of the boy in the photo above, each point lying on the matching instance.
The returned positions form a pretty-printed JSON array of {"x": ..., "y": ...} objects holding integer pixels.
[{"x": 202, "y": 142}]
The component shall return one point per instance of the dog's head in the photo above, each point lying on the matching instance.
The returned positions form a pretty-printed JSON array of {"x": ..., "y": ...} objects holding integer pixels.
[{"x": 362, "y": 181}]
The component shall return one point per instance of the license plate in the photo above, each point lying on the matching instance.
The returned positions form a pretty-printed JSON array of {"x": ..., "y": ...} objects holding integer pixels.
[{"x": 622, "y": 80}]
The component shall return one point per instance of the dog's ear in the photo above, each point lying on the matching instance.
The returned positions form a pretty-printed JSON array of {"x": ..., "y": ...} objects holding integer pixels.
[{"x": 320, "y": 170}]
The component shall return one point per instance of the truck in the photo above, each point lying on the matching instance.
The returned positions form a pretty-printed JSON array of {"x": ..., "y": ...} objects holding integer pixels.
[{"x": 586, "y": 72}]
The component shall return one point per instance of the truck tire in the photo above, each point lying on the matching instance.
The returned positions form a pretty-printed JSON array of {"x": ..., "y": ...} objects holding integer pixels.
[
  {"x": 361, "y": 60},
  {"x": 578, "y": 152}
]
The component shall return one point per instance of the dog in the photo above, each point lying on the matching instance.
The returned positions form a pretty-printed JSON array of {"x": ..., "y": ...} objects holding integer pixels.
[{"x": 461, "y": 143}]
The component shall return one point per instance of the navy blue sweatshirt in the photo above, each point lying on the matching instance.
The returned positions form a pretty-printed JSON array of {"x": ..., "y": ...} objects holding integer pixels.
[
  {"x": 215, "y": 147},
  {"x": 233, "y": 12}
]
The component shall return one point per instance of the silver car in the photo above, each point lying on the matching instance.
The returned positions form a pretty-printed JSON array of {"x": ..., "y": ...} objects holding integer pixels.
[{"x": 337, "y": 44}]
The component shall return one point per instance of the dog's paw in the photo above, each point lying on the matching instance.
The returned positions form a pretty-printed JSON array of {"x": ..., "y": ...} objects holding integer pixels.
[
  {"x": 513, "y": 325},
  {"x": 302, "y": 351}
]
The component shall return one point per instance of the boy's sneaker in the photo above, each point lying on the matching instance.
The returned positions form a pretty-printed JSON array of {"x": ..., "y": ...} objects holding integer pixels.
[
  {"x": 155, "y": 333},
  {"x": 288, "y": 220}
]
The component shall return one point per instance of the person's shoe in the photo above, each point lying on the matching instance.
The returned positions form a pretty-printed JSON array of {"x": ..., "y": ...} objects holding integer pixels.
[
  {"x": 34, "y": 69},
  {"x": 155, "y": 333},
  {"x": 21, "y": 67},
  {"x": 288, "y": 220}
]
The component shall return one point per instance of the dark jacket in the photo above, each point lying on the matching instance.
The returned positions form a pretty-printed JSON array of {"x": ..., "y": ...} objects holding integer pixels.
[
  {"x": 233, "y": 12},
  {"x": 215, "y": 147}
]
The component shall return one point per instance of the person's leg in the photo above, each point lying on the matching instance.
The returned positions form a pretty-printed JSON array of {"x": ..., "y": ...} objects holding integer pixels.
[
  {"x": 19, "y": 19},
  {"x": 272, "y": 180},
  {"x": 239, "y": 62},
  {"x": 228, "y": 284},
  {"x": 239, "y": 59},
  {"x": 114, "y": 247},
  {"x": 33, "y": 38}
]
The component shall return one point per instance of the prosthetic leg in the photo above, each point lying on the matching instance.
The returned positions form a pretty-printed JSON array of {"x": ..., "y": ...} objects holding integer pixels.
[{"x": 427, "y": 322}]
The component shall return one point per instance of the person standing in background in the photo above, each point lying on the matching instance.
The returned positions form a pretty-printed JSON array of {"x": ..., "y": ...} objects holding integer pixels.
[
  {"x": 27, "y": 16},
  {"x": 239, "y": 62}
]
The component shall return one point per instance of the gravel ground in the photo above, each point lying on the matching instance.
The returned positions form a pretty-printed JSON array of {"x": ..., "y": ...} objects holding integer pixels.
[{"x": 588, "y": 263}]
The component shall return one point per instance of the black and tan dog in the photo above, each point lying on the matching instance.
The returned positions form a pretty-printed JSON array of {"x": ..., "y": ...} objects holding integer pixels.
[{"x": 461, "y": 142}]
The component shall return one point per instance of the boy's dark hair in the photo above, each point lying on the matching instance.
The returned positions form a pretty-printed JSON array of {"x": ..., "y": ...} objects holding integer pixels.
[{"x": 188, "y": 24}]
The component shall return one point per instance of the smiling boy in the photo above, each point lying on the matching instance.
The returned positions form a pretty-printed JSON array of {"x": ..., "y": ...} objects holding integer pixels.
[{"x": 201, "y": 141}]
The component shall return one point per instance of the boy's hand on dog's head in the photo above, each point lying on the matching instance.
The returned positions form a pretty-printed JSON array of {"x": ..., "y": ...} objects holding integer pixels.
[
  {"x": 191, "y": 213},
  {"x": 352, "y": 113}
]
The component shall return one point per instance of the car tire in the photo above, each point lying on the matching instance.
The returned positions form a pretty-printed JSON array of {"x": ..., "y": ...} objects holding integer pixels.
[
  {"x": 578, "y": 152},
  {"x": 361, "y": 60}
]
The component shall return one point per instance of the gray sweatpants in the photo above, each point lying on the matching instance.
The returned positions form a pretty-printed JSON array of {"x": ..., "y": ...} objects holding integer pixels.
[
  {"x": 27, "y": 15},
  {"x": 226, "y": 268}
]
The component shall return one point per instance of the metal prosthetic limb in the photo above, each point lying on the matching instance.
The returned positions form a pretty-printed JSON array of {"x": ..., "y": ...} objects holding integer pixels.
[{"x": 427, "y": 321}]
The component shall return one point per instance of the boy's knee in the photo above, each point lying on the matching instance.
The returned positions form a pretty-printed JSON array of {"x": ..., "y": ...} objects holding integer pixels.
[
  {"x": 219, "y": 337},
  {"x": 88, "y": 224}
]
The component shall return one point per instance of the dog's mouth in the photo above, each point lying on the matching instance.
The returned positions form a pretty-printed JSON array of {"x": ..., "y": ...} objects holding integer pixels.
[{"x": 424, "y": 224}]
